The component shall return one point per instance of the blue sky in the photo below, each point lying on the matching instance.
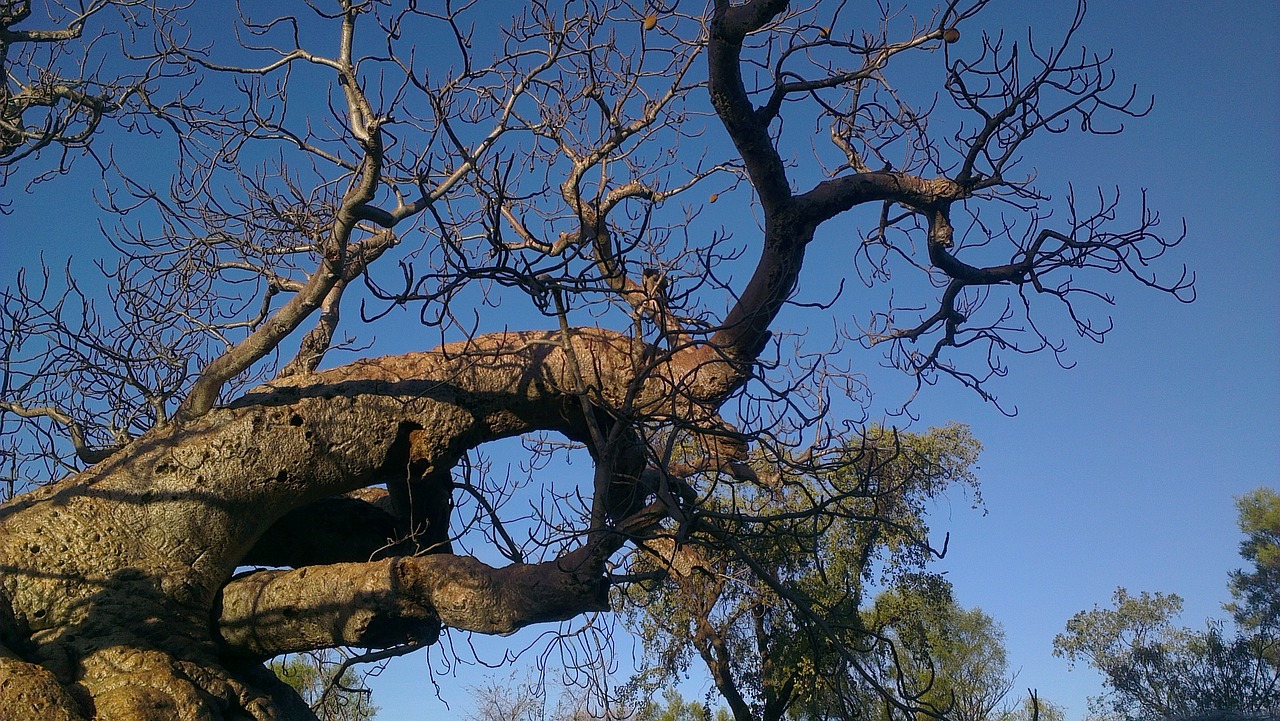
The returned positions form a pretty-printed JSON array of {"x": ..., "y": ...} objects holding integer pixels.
[{"x": 1122, "y": 470}]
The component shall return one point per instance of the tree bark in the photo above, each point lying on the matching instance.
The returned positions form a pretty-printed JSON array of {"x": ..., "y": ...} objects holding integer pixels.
[{"x": 120, "y": 577}]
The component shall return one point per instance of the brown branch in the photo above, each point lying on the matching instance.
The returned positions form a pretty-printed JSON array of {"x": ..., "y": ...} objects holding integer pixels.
[
  {"x": 789, "y": 221},
  {"x": 402, "y": 600},
  {"x": 13, "y": 13},
  {"x": 317, "y": 342},
  {"x": 730, "y": 25},
  {"x": 875, "y": 59},
  {"x": 75, "y": 431},
  {"x": 333, "y": 268},
  {"x": 829, "y": 198}
]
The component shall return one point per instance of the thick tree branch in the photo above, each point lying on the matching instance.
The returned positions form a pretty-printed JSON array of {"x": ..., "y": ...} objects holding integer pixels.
[
  {"x": 829, "y": 198},
  {"x": 402, "y": 600},
  {"x": 316, "y": 343},
  {"x": 30, "y": 691},
  {"x": 730, "y": 25}
]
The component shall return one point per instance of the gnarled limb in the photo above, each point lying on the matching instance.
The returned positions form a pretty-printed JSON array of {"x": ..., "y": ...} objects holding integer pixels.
[
  {"x": 221, "y": 482},
  {"x": 402, "y": 600},
  {"x": 73, "y": 427},
  {"x": 119, "y": 575}
]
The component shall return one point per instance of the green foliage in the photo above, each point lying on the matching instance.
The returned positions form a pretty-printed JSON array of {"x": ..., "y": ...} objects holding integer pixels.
[
  {"x": 1155, "y": 669},
  {"x": 953, "y": 659},
  {"x": 943, "y": 658},
  {"x": 1033, "y": 708},
  {"x": 821, "y": 536},
  {"x": 1257, "y": 592},
  {"x": 312, "y": 676},
  {"x": 1107, "y": 636},
  {"x": 675, "y": 708}
]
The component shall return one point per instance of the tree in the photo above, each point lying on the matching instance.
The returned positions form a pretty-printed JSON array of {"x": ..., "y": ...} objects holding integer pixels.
[
  {"x": 529, "y": 700},
  {"x": 953, "y": 658},
  {"x": 1257, "y": 592},
  {"x": 675, "y": 708},
  {"x": 1154, "y": 669},
  {"x": 327, "y": 685},
  {"x": 200, "y": 485},
  {"x": 822, "y": 537},
  {"x": 1034, "y": 708},
  {"x": 509, "y": 701}
]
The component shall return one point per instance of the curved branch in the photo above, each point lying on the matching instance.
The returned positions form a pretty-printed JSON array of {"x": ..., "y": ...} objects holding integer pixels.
[
  {"x": 730, "y": 25},
  {"x": 829, "y": 198},
  {"x": 75, "y": 431}
]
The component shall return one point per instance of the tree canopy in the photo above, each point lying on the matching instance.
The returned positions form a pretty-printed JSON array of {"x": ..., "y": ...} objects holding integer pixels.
[
  {"x": 1257, "y": 590},
  {"x": 776, "y": 646},
  {"x": 593, "y": 218},
  {"x": 1154, "y": 669},
  {"x": 327, "y": 685},
  {"x": 954, "y": 656}
]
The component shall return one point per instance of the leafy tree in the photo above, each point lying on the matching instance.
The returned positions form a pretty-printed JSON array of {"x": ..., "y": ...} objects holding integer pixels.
[
  {"x": 315, "y": 676},
  {"x": 954, "y": 658},
  {"x": 213, "y": 460},
  {"x": 950, "y": 658},
  {"x": 1033, "y": 708},
  {"x": 1257, "y": 592},
  {"x": 1155, "y": 669},
  {"x": 765, "y": 652},
  {"x": 675, "y": 708}
]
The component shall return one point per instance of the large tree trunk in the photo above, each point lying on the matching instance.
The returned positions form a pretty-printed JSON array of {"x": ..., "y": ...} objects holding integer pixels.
[{"x": 119, "y": 597}]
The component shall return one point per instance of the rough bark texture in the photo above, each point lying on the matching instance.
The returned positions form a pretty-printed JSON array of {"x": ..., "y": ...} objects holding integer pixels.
[{"x": 116, "y": 575}]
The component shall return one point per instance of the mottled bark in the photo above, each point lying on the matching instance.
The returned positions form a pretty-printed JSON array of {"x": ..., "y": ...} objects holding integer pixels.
[
  {"x": 28, "y": 691},
  {"x": 118, "y": 576},
  {"x": 388, "y": 602}
]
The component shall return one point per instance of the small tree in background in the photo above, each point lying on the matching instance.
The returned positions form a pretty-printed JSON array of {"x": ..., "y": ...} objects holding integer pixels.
[
  {"x": 528, "y": 700},
  {"x": 333, "y": 691},
  {"x": 675, "y": 708},
  {"x": 825, "y": 536},
  {"x": 1155, "y": 669},
  {"x": 951, "y": 657},
  {"x": 955, "y": 657},
  {"x": 509, "y": 700},
  {"x": 1256, "y": 592}
]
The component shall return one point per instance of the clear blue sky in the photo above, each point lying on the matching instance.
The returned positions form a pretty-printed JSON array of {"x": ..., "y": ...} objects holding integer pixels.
[{"x": 1122, "y": 470}]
